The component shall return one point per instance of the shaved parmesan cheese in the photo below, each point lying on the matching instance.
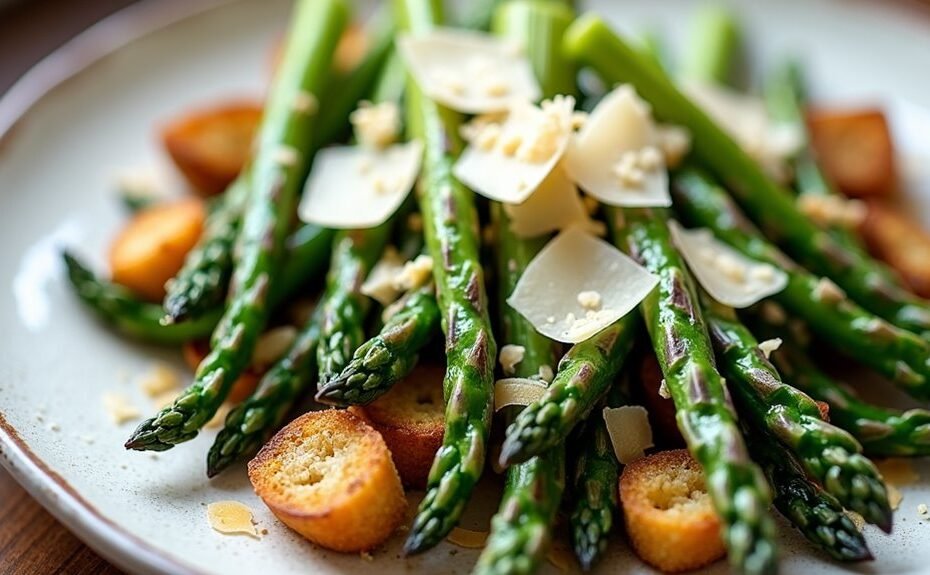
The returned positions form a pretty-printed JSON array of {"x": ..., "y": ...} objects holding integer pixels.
[
  {"x": 467, "y": 538},
  {"x": 380, "y": 285},
  {"x": 119, "y": 408},
  {"x": 510, "y": 356},
  {"x": 555, "y": 205},
  {"x": 507, "y": 162},
  {"x": 746, "y": 120},
  {"x": 769, "y": 345},
  {"x": 517, "y": 391},
  {"x": 469, "y": 71},
  {"x": 630, "y": 432},
  {"x": 829, "y": 211},
  {"x": 415, "y": 273},
  {"x": 663, "y": 390},
  {"x": 230, "y": 518},
  {"x": 352, "y": 187},
  {"x": 728, "y": 276},
  {"x": 615, "y": 157},
  {"x": 545, "y": 373},
  {"x": 376, "y": 125},
  {"x": 272, "y": 345},
  {"x": 159, "y": 380},
  {"x": 573, "y": 262}
]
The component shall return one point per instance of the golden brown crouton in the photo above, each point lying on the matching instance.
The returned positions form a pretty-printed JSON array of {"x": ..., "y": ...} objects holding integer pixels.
[
  {"x": 897, "y": 238},
  {"x": 410, "y": 418},
  {"x": 668, "y": 513},
  {"x": 210, "y": 146},
  {"x": 329, "y": 476}
]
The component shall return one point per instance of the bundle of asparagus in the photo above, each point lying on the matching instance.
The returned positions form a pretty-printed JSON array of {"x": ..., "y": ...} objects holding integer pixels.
[{"x": 759, "y": 438}]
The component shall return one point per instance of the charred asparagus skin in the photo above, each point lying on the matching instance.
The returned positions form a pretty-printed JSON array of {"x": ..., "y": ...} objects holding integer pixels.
[
  {"x": 277, "y": 171},
  {"x": 595, "y": 507},
  {"x": 898, "y": 354},
  {"x": 385, "y": 359},
  {"x": 828, "y": 453},
  {"x": 590, "y": 40},
  {"x": 814, "y": 512},
  {"x": 704, "y": 411},
  {"x": 450, "y": 226}
]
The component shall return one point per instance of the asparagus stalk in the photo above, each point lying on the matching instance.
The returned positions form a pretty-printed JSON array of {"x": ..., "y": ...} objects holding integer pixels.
[
  {"x": 771, "y": 206},
  {"x": 521, "y": 529},
  {"x": 385, "y": 359},
  {"x": 596, "y": 504},
  {"x": 882, "y": 431},
  {"x": 450, "y": 222},
  {"x": 899, "y": 355},
  {"x": 814, "y": 512},
  {"x": 307, "y": 248},
  {"x": 829, "y": 454},
  {"x": 277, "y": 171},
  {"x": 714, "y": 41},
  {"x": 705, "y": 413},
  {"x": 249, "y": 425}
]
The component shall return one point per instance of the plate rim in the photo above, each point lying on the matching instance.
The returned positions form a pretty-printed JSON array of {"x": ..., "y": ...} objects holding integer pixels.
[{"x": 74, "y": 57}]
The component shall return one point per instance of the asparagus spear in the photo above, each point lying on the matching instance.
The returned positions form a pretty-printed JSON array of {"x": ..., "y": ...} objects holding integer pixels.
[
  {"x": 899, "y": 355},
  {"x": 307, "y": 252},
  {"x": 773, "y": 207},
  {"x": 202, "y": 281},
  {"x": 596, "y": 505},
  {"x": 714, "y": 41},
  {"x": 253, "y": 421},
  {"x": 386, "y": 358},
  {"x": 277, "y": 171},
  {"x": 812, "y": 511},
  {"x": 882, "y": 431},
  {"x": 829, "y": 454},
  {"x": 705, "y": 413},
  {"x": 450, "y": 223}
]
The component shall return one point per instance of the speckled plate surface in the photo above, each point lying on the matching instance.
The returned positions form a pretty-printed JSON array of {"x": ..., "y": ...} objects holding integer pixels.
[{"x": 92, "y": 107}]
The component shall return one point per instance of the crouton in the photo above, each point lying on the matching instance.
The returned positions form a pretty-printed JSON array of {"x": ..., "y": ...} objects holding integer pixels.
[
  {"x": 328, "y": 475},
  {"x": 669, "y": 516},
  {"x": 210, "y": 146},
  {"x": 894, "y": 237},
  {"x": 410, "y": 418}
]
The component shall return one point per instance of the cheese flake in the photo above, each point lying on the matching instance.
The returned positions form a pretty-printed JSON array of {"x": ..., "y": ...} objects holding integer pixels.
[
  {"x": 517, "y": 391},
  {"x": 571, "y": 263},
  {"x": 630, "y": 432},
  {"x": 555, "y": 205},
  {"x": 728, "y": 276},
  {"x": 770, "y": 345},
  {"x": 159, "y": 380},
  {"x": 511, "y": 355},
  {"x": 467, "y": 538},
  {"x": 119, "y": 408},
  {"x": 376, "y": 125},
  {"x": 380, "y": 284},
  {"x": 615, "y": 156},
  {"x": 272, "y": 345},
  {"x": 469, "y": 71},
  {"x": 508, "y": 161},
  {"x": 231, "y": 518},
  {"x": 352, "y": 187}
]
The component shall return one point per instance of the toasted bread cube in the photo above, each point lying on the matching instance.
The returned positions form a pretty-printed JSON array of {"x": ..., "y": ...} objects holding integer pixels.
[
  {"x": 210, "y": 146},
  {"x": 328, "y": 475},
  {"x": 669, "y": 516},
  {"x": 894, "y": 237},
  {"x": 151, "y": 247},
  {"x": 855, "y": 149},
  {"x": 411, "y": 419}
]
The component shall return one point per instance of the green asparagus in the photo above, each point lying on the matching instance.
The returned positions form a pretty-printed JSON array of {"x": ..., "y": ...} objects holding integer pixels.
[
  {"x": 704, "y": 411},
  {"x": 252, "y": 422},
  {"x": 450, "y": 224},
  {"x": 596, "y": 504},
  {"x": 773, "y": 207},
  {"x": 898, "y": 354},
  {"x": 829, "y": 454},
  {"x": 813, "y": 511},
  {"x": 713, "y": 46},
  {"x": 277, "y": 171},
  {"x": 385, "y": 359}
]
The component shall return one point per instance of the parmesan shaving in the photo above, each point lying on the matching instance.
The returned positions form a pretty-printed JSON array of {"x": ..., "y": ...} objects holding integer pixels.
[
  {"x": 517, "y": 391},
  {"x": 306, "y": 103},
  {"x": 728, "y": 276},
  {"x": 545, "y": 373},
  {"x": 376, "y": 125},
  {"x": 510, "y": 356},
  {"x": 615, "y": 158},
  {"x": 469, "y": 71},
  {"x": 828, "y": 211},
  {"x": 898, "y": 470},
  {"x": 507, "y": 162},
  {"x": 272, "y": 345},
  {"x": 571, "y": 263},
  {"x": 380, "y": 285},
  {"x": 555, "y": 205},
  {"x": 159, "y": 380},
  {"x": 663, "y": 390},
  {"x": 769, "y": 345},
  {"x": 231, "y": 518},
  {"x": 466, "y": 538},
  {"x": 119, "y": 408},
  {"x": 630, "y": 432},
  {"x": 894, "y": 496},
  {"x": 414, "y": 273},
  {"x": 352, "y": 187},
  {"x": 922, "y": 508}
]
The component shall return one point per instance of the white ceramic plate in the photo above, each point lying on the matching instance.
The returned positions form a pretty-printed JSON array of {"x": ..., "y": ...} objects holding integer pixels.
[{"x": 92, "y": 107}]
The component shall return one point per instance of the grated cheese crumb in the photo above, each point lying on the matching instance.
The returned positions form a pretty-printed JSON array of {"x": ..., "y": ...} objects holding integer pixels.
[
  {"x": 769, "y": 345},
  {"x": 922, "y": 508},
  {"x": 231, "y": 518},
  {"x": 589, "y": 300},
  {"x": 663, "y": 390},
  {"x": 578, "y": 119},
  {"x": 379, "y": 285},
  {"x": 545, "y": 373},
  {"x": 730, "y": 267},
  {"x": 830, "y": 211},
  {"x": 119, "y": 408},
  {"x": 828, "y": 292},
  {"x": 159, "y": 380},
  {"x": 414, "y": 273},
  {"x": 306, "y": 103},
  {"x": 286, "y": 156},
  {"x": 510, "y": 356},
  {"x": 376, "y": 125}
]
